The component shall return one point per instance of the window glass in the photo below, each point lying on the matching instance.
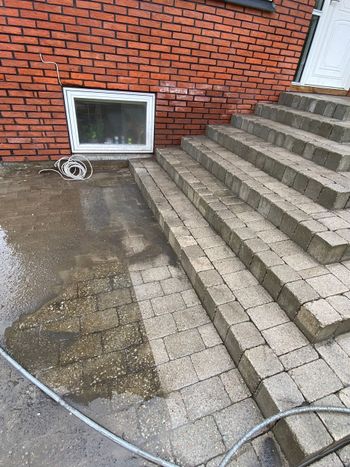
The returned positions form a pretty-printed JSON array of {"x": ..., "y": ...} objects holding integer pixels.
[
  {"x": 306, "y": 48},
  {"x": 319, "y": 4},
  {"x": 106, "y": 122}
]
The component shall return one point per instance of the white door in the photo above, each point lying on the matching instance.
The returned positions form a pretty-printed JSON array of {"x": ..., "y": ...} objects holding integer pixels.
[{"x": 328, "y": 61}]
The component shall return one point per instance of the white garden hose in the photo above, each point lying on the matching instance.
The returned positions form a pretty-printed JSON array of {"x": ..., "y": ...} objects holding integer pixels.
[{"x": 72, "y": 168}]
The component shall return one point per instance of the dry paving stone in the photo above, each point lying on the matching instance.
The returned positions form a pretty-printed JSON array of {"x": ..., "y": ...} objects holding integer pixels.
[
  {"x": 240, "y": 280},
  {"x": 168, "y": 304},
  {"x": 327, "y": 285},
  {"x": 344, "y": 342},
  {"x": 284, "y": 338},
  {"x": 155, "y": 274},
  {"x": 191, "y": 318},
  {"x": 160, "y": 326},
  {"x": 258, "y": 363},
  {"x": 177, "y": 410},
  {"x": 267, "y": 316},
  {"x": 197, "y": 442},
  {"x": 236, "y": 420},
  {"x": 298, "y": 357},
  {"x": 183, "y": 343},
  {"x": 148, "y": 291},
  {"x": 253, "y": 296},
  {"x": 246, "y": 457},
  {"x": 337, "y": 359},
  {"x": 205, "y": 398},
  {"x": 241, "y": 337},
  {"x": 337, "y": 424},
  {"x": 234, "y": 385},
  {"x": 177, "y": 374},
  {"x": 316, "y": 380},
  {"x": 159, "y": 352},
  {"x": 211, "y": 362},
  {"x": 209, "y": 335},
  {"x": 175, "y": 284}
]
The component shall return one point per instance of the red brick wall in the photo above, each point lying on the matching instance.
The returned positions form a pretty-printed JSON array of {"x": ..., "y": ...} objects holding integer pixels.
[{"x": 204, "y": 59}]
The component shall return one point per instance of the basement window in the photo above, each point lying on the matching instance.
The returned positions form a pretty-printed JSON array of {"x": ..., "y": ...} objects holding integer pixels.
[{"x": 109, "y": 121}]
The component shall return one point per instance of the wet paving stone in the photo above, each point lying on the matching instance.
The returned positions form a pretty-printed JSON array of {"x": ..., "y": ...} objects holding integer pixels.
[{"x": 97, "y": 307}]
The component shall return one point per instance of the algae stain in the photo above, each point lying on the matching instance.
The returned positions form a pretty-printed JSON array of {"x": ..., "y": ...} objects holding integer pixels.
[{"x": 89, "y": 342}]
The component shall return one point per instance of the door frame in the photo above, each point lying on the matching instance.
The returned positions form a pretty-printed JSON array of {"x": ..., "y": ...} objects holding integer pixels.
[{"x": 314, "y": 49}]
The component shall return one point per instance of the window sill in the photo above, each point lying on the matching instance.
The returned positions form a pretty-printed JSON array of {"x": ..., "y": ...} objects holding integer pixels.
[{"x": 265, "y": 5}]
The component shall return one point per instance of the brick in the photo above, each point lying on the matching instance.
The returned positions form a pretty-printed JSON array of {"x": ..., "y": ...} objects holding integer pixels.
[
  {"x": 144, "y": 38},
  {"x": 295, "y": 294}
]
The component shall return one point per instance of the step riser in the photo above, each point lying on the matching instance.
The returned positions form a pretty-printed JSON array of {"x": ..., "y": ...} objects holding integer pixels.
[
  {"x": 318, "y": 249},
  {"x": 323, "y": 195},
  {"x": 266, "y": 390},
  {"x": 316, "y": 106},
  {"x": 328, "y": 130},
  {"x": 318, "y": 154}
]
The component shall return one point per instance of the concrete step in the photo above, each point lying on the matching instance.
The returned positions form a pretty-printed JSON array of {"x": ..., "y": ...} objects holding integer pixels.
[
  {"x": 337, "y": 107},
  {"x": 324, "y": 234},
  {"x": 282, "y": 268},
  {"x": 326, "y": 187},
  {"x": 326, "y": 127},
  {"x": 272, "y": 355},
  {"x": 322, "y": 151}
]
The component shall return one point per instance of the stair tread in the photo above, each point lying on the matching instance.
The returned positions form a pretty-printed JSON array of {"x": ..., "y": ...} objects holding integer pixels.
[
  {"x": 316, "y": 140},
  {"x": 304, "y": 113},
  {"x": 337, "y": 180},
  {"x": 245, "y": 334},
  {"x": 340, "y": 219},
  {"x": 228, "y": 212},
  {"x": 343, "y": 100}
]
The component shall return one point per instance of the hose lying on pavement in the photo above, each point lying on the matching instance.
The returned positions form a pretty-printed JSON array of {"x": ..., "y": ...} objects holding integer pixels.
[
  {"x": 100, "y": 429},
  {"x": 257, "y": 429},
  {"x": 72, "y": 168},
  {"x": 253, "y": 433}
]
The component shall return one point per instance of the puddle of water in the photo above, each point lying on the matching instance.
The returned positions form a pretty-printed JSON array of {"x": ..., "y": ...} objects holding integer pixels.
[{"x": 74, "y": 319}]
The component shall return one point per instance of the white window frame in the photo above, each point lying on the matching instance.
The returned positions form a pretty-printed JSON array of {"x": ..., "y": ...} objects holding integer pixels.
[{"x": 70, "y": 94}]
